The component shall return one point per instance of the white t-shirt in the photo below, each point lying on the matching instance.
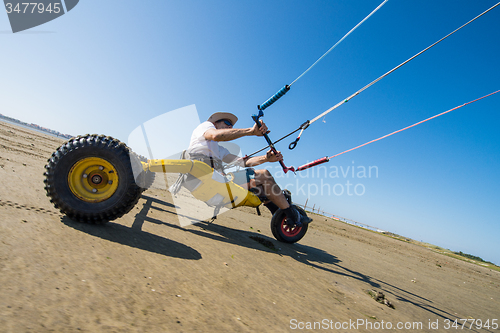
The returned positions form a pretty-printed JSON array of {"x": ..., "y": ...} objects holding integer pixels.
[{"x": 200, "y": 145}]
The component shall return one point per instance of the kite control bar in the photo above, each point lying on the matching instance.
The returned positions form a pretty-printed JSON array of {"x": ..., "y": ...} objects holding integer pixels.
[{"x": 256, "y": 118}]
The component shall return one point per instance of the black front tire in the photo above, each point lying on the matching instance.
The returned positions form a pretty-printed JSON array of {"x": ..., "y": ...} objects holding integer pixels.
[
  {"x": 283, "y": 232},
  {"x": 78, "y": 204}
]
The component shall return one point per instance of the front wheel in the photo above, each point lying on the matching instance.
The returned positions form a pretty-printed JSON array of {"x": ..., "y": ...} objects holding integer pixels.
[{"x": 285, "y": 233}]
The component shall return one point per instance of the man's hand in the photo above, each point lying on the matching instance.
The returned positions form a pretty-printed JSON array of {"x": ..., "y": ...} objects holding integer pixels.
[
  {"x": 260, "y": 131},
  {"x": 269, "y": 157},
  {"x": 272, "y": 157}
]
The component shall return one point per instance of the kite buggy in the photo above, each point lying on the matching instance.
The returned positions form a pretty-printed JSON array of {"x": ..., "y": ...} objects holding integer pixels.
[{"x": 96, "y": 178}]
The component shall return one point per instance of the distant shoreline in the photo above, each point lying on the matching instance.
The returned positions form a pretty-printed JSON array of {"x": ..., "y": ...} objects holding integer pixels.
[{"x": 35, "y": 127}]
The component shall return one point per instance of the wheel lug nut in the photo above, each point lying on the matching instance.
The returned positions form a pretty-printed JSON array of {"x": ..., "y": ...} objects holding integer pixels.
[
  {"x": 85, "y": 175},
  {"x": 94, "y": 190},
  {"x": 101, "y": 168},
  {"x": 110, "y": 182}
]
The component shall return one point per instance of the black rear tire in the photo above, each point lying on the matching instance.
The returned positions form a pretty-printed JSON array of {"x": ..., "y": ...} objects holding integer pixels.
[
  {"x": 77, "y": 201},
  {"x": 283, "y": 232}
]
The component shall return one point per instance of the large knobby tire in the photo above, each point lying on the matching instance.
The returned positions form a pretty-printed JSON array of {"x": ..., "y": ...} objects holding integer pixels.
[
  {"x": 285, "y": 233},
  {"x": 90, "y": 179}
]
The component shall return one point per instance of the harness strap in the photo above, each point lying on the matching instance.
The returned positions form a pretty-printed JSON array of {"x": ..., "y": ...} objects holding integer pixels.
[{"x": 214, "y": 162}]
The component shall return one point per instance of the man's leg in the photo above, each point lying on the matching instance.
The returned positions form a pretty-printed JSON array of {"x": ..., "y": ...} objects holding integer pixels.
[{"x": 265, "y": 181}]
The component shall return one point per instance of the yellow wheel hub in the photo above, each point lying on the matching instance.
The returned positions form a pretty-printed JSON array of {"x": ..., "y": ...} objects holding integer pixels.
[{"x": 93, "y": 179}]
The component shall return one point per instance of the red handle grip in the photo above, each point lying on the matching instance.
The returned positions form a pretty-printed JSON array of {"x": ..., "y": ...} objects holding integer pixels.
[{"x": 313, "y": 163}]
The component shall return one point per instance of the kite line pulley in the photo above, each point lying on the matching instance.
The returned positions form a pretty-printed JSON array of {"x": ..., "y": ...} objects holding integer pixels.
[{"x": 302, "y": 128}]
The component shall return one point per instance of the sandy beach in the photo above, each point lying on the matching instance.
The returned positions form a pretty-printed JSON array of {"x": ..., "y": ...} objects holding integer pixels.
[{"x": 144, "y": 273}]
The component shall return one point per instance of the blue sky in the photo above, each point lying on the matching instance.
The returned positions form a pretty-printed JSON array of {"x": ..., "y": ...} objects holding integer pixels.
[{"x": 109, "y": 66}]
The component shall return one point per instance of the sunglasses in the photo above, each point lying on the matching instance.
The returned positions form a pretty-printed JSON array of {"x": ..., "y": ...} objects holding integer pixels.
[{"x": 227, "y": 122}]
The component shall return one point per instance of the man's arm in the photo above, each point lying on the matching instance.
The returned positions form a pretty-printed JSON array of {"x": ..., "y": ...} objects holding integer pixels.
[
  {"x": 256, "y": 160},
  {"x": 229, "y": 134}
]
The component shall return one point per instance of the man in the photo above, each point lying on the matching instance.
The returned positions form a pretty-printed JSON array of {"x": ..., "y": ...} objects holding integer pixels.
[{"x": 204, "y": 146}]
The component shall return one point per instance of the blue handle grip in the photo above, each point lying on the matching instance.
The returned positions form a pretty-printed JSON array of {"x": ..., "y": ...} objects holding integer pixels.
[{"x": 273, "y": 99}]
